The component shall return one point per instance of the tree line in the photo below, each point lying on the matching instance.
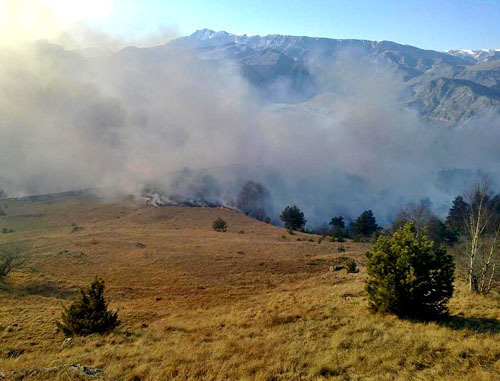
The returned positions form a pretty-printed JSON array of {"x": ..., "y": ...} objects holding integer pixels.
[{"x": 471, "y": 230}]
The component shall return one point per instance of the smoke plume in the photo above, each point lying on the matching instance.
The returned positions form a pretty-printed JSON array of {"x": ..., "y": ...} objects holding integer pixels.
[{"x": 162, "y": 119}]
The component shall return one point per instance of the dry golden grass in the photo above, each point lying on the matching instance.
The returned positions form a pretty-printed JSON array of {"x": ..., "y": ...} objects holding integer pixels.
[{"x": 197, "y": 304}]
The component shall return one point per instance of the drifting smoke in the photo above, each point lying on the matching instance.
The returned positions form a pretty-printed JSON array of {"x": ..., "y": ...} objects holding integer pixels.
[{"x": 162, "y": 121}]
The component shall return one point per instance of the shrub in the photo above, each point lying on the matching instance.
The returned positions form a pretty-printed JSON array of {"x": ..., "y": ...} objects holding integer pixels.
[
  {"x": 293, "y": 217},
  {"x": 267, "y": 220},
  {"x": 76, "y": 229},
  {"x": 408, "y": 275},
  {"x": 341, "y": 248},
  {"x": 320, "y": 240},
  {"x": 219, "y": 225},
  {"x": 290, "y": 231},
  {"x": 88, "y": 313},
  {"x": 352, "y": 267},
  {"x": 9, "y": 260}
]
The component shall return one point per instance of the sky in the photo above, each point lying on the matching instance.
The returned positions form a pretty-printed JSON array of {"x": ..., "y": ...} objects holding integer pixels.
[
  {"x": 432, "y": 24},
  {"x": 428, "y": 24}
]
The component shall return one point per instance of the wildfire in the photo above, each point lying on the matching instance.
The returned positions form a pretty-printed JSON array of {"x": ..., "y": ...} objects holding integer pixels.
[
  {"x": 154, "y": 201},
  {"x": 220, "y": 207}
]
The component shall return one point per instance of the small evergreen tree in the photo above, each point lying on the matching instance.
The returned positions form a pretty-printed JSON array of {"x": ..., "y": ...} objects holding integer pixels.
[
  {"x": 338, "y": 226},
  {"x": 365, "y": 225},
  {"x": 219, "y": 225},
  {"x": 455, "y": 222},
  {"x": 293, "y": 218},
  {"x": 88, "y": 313},
  {"x": 337, "y": 222},
  {"x": 408, "y": 275},
  {"x": 352, "y": 267}
]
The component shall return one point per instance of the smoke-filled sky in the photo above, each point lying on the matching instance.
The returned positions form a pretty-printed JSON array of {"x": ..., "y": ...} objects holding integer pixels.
[{"x": 72, "y": 119}]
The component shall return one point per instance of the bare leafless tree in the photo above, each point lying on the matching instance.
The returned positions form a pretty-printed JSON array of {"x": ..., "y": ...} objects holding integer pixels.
[
  {"x": 10, "y": 258},
  {"x": 482, "y": 229},
  {"x": 420, "y": 213}
]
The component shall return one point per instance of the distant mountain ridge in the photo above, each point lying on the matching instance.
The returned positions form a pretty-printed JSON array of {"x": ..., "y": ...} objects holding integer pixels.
[
  {"x": 445, "y": 87},
  {"x": 476, "y": 56}
]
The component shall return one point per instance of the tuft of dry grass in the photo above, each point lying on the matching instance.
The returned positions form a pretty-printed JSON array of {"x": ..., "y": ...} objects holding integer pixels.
[{"x": 199, "y": 305}]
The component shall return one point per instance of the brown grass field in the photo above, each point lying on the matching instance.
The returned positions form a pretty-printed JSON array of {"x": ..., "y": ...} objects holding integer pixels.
[{"x": 249, "y": 304}]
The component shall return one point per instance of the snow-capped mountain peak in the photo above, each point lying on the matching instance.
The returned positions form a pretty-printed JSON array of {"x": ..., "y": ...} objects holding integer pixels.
[{"x": 476, "y": 56}]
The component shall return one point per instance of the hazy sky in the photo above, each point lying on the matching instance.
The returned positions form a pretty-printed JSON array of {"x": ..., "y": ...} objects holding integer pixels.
[{"x": 431, "y": 24}]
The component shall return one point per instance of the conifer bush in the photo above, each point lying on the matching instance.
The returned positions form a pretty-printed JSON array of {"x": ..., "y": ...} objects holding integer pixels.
[
  {"x": 408, "y": 275},
  {"x": 219, "y": 225},
  {"x": 352, "y": 267},
  {"x": 88, "y": 313},
  {"x": 293, "y": 218}
]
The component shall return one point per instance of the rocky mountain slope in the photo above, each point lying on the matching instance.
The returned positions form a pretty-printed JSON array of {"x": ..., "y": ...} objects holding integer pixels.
[{"x": 445, "y": 87}]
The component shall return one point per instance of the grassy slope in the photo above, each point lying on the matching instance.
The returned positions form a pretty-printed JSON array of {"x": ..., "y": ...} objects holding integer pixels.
[{"x": 196, "y": 304}]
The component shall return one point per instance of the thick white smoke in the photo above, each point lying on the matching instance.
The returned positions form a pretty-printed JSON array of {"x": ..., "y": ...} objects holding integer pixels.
[{"x": 116, "y": 121}]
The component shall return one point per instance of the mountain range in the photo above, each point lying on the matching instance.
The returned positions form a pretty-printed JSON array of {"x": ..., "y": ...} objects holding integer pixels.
[{"x": 446, "y": 87}]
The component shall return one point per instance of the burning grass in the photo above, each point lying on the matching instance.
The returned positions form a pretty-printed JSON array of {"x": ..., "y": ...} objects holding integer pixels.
[{"x": 193, "y": 307}]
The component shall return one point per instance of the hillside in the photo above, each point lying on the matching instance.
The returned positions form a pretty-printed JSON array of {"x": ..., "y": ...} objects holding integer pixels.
[{"x": 251, "y": 303}]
